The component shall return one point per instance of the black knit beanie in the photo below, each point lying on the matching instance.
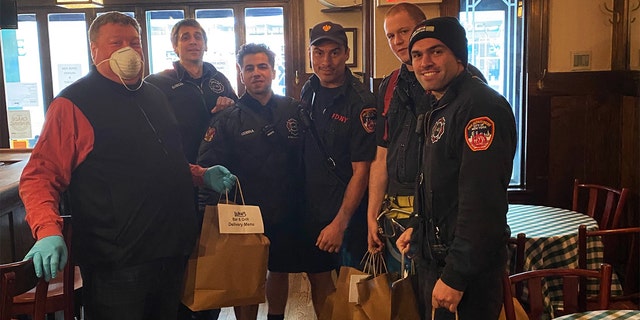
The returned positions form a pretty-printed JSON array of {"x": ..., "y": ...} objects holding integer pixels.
[{"x": 446, "y": 29}]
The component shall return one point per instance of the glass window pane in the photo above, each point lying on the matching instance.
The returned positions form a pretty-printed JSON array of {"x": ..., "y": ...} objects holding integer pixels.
[
  {"x": 496, "y": 35},
  {"x": 266, "y": 25},
  {"x": 23, "y": 81},
  {"x": 69, "y": 47},
  {"x": 221, "y": 41},
  {"x": 159, "y": 24}
]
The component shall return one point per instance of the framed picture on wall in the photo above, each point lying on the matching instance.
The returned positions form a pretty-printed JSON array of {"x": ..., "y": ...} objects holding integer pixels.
[
  {"x": 352, "y": 42},
  {"x": 392, "y": 2}
]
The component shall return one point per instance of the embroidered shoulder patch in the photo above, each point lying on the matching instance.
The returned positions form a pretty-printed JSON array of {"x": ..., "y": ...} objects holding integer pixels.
[
  {"x": 368, "y": 119},
  {"x": 479, "y": 133},
  {"x": 292, "y": 127},
  {"x": 211, "y": 132},
  {"x": 216, "y": 86},
  {"x": 437, "y": 130}
]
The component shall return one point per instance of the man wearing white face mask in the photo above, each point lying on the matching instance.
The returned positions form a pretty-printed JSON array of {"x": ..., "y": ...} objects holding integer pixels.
[{"x": 111, "y": 143}]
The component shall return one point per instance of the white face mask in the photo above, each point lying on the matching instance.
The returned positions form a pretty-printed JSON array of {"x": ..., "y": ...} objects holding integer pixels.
[{"x": 125, "y": 62}]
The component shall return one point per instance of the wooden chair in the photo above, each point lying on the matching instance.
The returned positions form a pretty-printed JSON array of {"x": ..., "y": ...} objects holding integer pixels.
[
  {"x": 62, "y": 289},
  {"x": 627, "y": 270},
  {"x": 608, "y": 214},
  {"x": 17, "y": 278},
  {"x": 572, "y": 291},
  {"x": 517, "y": 259}
]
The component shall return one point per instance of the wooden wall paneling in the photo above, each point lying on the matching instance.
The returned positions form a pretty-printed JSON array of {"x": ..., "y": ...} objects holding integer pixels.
[
  {"x": 603, "y": 139},
  {"x": 22, "y": 235},
  {"x": 536, "y": 152},
  {"x": 630, "y": 156},
  {"x": 566, "y": 147},
  {"x": 585, "y": 144}
]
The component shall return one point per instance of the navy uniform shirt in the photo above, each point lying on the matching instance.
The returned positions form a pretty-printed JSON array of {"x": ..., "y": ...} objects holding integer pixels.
[{"x": 346, "y": 125}]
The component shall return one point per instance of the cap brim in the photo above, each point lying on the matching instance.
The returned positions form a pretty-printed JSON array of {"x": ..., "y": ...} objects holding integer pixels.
[{"x": 334, "y": 39}]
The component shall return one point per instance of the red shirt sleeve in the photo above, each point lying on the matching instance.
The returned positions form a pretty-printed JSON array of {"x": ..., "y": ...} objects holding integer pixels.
[
  {"x": 197, "y": 174},
  {"x": 65, "y": 141}
]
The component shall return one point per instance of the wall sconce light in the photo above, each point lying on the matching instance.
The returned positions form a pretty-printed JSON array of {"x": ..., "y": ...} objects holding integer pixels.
[{"x": 79, "y": 4}]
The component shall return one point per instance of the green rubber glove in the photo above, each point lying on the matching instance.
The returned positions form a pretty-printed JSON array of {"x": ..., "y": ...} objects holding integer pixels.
[
  {"x": 219, "y": 179},
  {"x": 49, "y": 255}
]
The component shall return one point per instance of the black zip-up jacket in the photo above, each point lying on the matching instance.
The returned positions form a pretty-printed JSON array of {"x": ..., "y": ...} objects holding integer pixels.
[
  {"x": 468, "y": 158},
  {"x": 192, "y": 100},
  {"x": 261, "y": 145}
]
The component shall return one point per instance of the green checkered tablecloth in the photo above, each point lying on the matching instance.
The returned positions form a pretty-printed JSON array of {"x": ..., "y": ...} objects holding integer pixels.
[
  {"x": 603, "y": 315},
  {"x": 552, "y": 242}
]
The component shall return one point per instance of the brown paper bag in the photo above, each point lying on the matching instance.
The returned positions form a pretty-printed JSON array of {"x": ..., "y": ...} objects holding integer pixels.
[
  {"x": 225, "y": 269},
  {"x": 374, "y": 296},
  {"x": 337, "y": 305},
  {"x": 403, "y": 300},
  {"x": 404, "y": 304},
  {"x": 359, "y": 314},
  {"x": 521, "y": 314}
]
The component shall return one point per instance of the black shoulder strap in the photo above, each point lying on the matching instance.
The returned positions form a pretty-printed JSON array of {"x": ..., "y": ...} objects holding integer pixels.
[{"x": 329, "y": 162}]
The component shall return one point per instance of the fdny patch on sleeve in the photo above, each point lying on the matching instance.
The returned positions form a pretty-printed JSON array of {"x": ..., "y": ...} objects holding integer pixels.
[
  {"x": 368, "y": 119},
  {"x": 211, "y": 132},
  {"x": 479, "y": 133}
]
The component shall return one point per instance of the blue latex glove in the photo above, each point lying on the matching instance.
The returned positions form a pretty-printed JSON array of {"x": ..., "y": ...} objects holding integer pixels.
[
  {"x": 49, "y": 255},
  {"x": 219, "y": 179}
]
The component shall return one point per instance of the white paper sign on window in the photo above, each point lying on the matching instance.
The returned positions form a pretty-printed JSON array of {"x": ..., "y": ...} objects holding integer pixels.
[
  {"x": 21, "y": 94},
  {"x": 19, "y": 124},
  {"x": 68, "y": 73}
]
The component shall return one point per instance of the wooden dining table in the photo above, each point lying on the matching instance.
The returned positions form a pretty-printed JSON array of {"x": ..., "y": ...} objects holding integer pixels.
[
  {"x": 552, "y": 242},
  {"x": 603, "y": 315}
]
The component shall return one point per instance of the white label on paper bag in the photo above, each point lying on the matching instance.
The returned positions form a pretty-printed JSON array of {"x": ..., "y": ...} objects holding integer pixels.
[
  {"x": 353, "y": 288},
  {"x": 240, "y": 219}
]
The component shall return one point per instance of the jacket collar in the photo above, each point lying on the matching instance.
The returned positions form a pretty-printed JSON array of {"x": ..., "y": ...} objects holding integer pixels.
[{"x": 208, "y": 71}]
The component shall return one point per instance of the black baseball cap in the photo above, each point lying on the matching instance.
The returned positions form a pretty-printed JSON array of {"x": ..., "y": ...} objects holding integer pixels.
[{"x": 328, "y": 31}]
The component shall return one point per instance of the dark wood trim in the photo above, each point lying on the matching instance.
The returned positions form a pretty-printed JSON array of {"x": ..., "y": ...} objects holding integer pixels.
[
  {"x": 620, "y": 36},
  {"x": 537, "y": 40},
  {"x": 586, "y": 83},
  {"x": 296, "y": 48},
  {"x": 45, "y": 58},
  {"x": 368, "y": 9},
  {"x": 4, "y": 117},
  {"x": 112, "y": 3},
  {"x": 450, "y": 8}
]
